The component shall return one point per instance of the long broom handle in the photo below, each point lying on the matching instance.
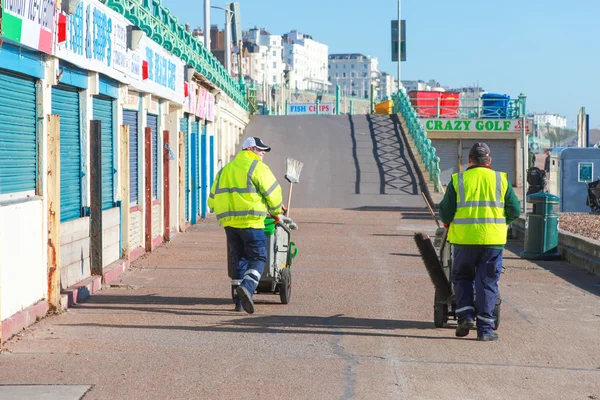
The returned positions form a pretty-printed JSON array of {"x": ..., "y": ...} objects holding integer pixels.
[
  {"x": 289, "y": 199},
  {"x": 430, "y": 209}
]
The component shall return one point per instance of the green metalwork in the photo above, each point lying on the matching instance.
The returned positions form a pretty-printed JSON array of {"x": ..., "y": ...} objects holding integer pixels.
[
  {"x": 252, "y": 99},
  {"x": 163, "y": 28},
  {"x": 337, "y": 100},
  {"x": 423, "y": 144}
]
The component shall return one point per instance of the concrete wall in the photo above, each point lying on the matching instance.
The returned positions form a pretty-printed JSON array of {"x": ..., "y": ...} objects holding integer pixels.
[
  {"x": 111, "y": 231},
  {"x": 23, "y": 273},
  {"x": 74, "y": 251},
  {"x": 135, "y": 230},
  {"x": 156, "y": 227}
]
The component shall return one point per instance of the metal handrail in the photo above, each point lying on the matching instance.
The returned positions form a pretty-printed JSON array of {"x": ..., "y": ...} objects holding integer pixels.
[{"x": 402, "y": 105}]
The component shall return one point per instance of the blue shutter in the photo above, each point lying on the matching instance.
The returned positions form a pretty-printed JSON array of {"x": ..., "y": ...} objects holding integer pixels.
[
  {"x": 196, "y": 128},
  {"x": 131, "y": 118},
  {"x": 18, "y": 134},
  {"x": 212, "y": 160},
  {"x": 153, "y": 123},
  {"x": 204, "y": 169},
  {"x": 195, "y": 158},
  {"x": 183, "y": 127},
  {"x": 103, "y": 111},
  {"x": 65, "y": 103}
]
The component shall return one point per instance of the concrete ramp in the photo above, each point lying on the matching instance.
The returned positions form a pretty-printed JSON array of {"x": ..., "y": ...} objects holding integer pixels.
[{"x": 349, "y": 161}]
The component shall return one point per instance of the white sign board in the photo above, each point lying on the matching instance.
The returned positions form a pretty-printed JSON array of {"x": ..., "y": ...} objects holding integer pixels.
[
  {"x": 310, "y": 109},
  {"x": 97, "y": 41}
]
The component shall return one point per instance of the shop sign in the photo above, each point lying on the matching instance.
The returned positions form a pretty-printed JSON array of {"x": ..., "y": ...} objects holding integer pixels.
[
  {"x": 29, "y": 22},
  {"x": 200, "y": 102},
  {"x": 97, "y": 41},
  {"x": 476, "y": 125},
  {"x": 310, "y": 109}
]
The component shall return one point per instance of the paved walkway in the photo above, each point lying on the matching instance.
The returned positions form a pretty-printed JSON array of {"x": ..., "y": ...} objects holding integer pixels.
[{"x": 359, "y": 327}]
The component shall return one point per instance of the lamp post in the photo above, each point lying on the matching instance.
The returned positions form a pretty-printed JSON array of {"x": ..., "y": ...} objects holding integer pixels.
[
  {"x": 399, "y": 42},
  {"x": 228, "y": 16},
  {"x": 207, "y": 24}
]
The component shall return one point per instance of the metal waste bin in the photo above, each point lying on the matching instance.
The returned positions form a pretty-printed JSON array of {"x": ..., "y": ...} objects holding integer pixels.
[{"x": 541, "y": 228}]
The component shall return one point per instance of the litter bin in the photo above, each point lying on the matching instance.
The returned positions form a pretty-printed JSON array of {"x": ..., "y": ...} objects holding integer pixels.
[
  {"x": 541, "y": 228},
  {"x": 495, "y": 106}
]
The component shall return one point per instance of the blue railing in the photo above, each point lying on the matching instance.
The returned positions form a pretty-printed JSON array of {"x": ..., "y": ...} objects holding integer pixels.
[{"x": 423, "y": 144}]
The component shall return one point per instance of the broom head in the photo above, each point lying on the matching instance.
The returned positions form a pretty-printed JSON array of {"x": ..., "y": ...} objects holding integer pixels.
[
  {"x": 443, "y": 289},
  {"x": 292, "y": 170}
]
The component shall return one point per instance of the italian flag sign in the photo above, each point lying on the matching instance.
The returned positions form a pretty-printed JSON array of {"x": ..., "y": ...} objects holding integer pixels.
[{"x": 29, "y": 22}]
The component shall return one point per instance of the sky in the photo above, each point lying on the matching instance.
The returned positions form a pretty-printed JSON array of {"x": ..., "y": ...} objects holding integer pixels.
[{"x": 546, "y": 49}]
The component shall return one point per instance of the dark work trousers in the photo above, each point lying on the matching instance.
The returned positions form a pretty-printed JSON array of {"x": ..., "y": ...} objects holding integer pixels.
[
  {"x": 247, "y": 254},
  {"x": 481, "y": 266}
]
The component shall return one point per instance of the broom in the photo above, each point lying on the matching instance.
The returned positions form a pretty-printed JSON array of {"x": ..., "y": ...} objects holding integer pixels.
[
  {"x": 292, "y": 175},
  {"x": 443, "y": 289}
]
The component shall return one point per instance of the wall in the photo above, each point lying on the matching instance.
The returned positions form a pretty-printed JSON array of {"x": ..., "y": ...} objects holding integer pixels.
[
  {"x": 23, "y": 275},
  {"x": 74, "y": 251},
  {"x": 111, "y": 231}
]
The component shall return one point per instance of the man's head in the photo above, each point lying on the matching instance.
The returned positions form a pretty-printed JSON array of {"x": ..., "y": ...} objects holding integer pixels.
[
  {"x": 256, "y": 145},
  {"x": 480, "y": 154}
]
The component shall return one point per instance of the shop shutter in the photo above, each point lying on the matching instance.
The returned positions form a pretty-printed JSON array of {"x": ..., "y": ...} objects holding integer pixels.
[
  {"x": 503, "y": 155},
  {"x": 65, "y": 103},
  {"x": 103, "y": 111},
  {"x": 204, "y": 160},
  {"x": 212, "y": 161},
  {"x": 18, "y": 134},
  {"x": 183, "y": 127},
  {"x": 153, "y": 124},
  {"x": 195, "y": 170},
  {"x": 131, "y": 118},
  {"x": 447, "y": 151}
]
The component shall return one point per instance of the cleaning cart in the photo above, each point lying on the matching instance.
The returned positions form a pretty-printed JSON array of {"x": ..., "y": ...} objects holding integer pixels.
[
  {"x": 437, "y": 257},
  {"x": 281, "y": 251}
]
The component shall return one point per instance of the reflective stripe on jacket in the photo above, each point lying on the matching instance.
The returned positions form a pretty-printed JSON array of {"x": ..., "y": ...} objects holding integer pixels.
[
  {"x": 244, "y": 192},
  {"x": 480, "y": 218}
]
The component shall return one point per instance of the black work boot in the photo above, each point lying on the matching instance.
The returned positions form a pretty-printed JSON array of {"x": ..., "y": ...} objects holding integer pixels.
[
  {"x": 488, "y": 338},
  {"x": 464, "y": 326},
  {"x": 246, "y": 298}
]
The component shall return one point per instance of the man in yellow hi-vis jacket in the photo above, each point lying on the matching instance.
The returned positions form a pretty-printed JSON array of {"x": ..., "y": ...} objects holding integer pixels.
[
  {"x": 243, "y": 194},
  {"x": 478, "y": 205}
]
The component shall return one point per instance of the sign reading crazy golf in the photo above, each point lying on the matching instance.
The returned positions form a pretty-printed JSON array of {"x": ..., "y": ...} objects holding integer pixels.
[
  {"x": 476, "y": 125},
  {"x": 29, "y": 22}
]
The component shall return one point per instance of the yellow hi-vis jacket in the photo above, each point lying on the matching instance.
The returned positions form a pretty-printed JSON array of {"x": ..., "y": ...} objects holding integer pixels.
[
  {"x": 480, "y": 218},
  {"x": 244, "y": 192}
]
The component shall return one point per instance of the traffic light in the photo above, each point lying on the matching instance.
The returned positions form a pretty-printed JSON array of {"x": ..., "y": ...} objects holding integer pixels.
[{"x": 286, "y": 77}]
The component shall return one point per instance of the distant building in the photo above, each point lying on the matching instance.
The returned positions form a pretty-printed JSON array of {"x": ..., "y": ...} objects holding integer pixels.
[
  {"x": 266, "y": 62},
  {"x": 354, "y": 73},
  {"x": 307, "y": 61},
  {"x": 551, "y": 120}
]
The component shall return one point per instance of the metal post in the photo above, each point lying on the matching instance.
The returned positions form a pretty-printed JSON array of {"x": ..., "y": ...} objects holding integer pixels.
[
  {"x": 148, "y": 189},
  {"x": 207, "y": 24},
  {"x": 96, "y": 197},
  {"x": 287, "y": 106},
  {"x": 167, "y": 186},
  {"x": 525, "y": 162},
  {"x": 318, "y": 106},
  {"x": 351, "y": 107},
  {"x": 337, "y": 100},
  {"x": 228, "y": 41},
  {"x": 372, "y": 99},
  {"x": 399, "y": 43}
]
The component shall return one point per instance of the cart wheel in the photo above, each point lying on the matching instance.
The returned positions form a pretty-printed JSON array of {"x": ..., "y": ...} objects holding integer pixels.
[
  {"x": 440, "y": 313},
  {"x": 233, "y": 294},
  {"x": 497, "y": 315},
  {"x": 285, "y": 287}
]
